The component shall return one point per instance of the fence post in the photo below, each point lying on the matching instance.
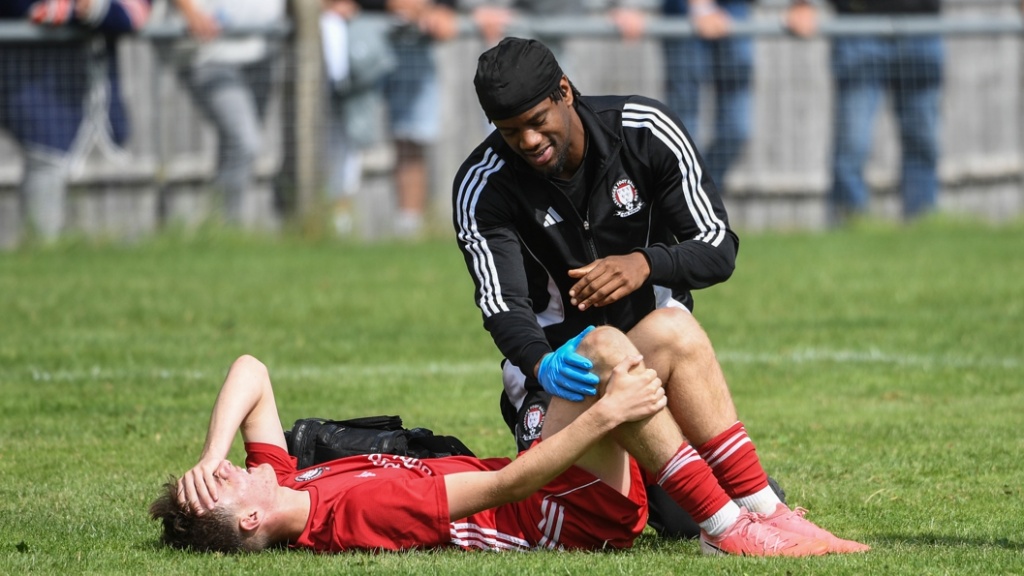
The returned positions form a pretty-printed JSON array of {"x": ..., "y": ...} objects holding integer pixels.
[{"x": 309, "y": 108}]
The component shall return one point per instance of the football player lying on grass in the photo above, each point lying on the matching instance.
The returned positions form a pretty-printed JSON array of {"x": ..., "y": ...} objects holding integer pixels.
[{"x": 580, "y": 487}]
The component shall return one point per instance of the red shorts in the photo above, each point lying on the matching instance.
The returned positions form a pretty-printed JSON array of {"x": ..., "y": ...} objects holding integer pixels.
[{"x": 578, "y": 510}]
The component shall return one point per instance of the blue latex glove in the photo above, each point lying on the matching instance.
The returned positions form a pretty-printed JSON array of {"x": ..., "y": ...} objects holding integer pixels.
[{"x": 566, "y": 374}]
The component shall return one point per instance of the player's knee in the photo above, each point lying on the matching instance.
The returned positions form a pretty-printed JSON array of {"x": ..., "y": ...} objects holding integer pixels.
[
  {"x": 250, "y": 365},
  {"x": 680, "y": 331},
  {"x": 605, "y": 346}
]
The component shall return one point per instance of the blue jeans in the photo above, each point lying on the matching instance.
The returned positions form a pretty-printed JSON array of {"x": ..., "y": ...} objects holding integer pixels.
[
  {"x": 413, "y": 93},
  {"x": 910, "y": 68},
  {"x": 234, "y": 97},
  {"x": 728, "y": 64}
]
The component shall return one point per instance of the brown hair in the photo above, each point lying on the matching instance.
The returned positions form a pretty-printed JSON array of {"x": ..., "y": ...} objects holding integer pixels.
[{"x": 215, "y": 531}]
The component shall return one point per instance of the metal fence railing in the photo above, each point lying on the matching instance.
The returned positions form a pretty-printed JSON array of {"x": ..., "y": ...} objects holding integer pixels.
[{"x": 780, "y": 180}]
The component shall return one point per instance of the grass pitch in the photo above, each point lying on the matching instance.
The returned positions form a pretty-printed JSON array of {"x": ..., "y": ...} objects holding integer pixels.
[{"x": 880, "y": 370}]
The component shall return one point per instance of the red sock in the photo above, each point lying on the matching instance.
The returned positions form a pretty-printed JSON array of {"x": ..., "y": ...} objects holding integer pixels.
[
  {"x": 733, "y": 459},
  {"x": 689, "y": 481}
]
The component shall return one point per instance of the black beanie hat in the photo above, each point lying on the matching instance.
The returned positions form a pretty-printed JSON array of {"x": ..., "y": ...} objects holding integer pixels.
[{"x": 515, "y": 76}]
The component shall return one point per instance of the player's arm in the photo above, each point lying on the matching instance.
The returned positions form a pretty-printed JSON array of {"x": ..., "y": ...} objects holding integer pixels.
[
  {"x": 703, "y": 250},
  {"x": 245, "y": 403},
  {"x": 486, "y": 234},
  {"x": 626, "y": 398}
]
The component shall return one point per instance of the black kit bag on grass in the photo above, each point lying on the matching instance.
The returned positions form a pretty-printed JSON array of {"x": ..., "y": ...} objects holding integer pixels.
[{"x": 316, "y": 440}]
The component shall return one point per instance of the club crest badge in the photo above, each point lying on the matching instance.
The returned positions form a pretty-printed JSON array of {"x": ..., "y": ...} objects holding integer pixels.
[
  {"x": 533, "y": 421},
  {"x": 625, "y": 197},
  {"x": 310, "y": 474}
]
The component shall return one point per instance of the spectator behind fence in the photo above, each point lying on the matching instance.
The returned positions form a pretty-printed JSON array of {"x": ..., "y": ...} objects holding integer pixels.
[
  {"x": 58, "y": 98},
  {"x": 398, "y": 62},
  {"x": 715, "y": 58},
  {"x": 494, "y": 18},
  {"x": 230, "y": 80},
  {"x": 909, "y": 68},
  {"x": 358, "y": 56}
]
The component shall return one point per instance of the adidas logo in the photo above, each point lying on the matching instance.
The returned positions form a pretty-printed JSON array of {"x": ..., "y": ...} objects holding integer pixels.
[{"x": 551, "y": 218}]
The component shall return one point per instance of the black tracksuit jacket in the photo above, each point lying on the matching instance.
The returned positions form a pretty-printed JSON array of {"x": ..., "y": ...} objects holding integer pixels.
[{"x": 520, "y": 234}]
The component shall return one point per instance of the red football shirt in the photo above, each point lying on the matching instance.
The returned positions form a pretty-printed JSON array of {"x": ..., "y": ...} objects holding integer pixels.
[{"x": 385, "y": 502}]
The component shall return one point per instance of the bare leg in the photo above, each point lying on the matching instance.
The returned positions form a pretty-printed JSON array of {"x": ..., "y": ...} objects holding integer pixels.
[
  {"x": 677, "y": 348},
  {"x": 43, "y": 192},
  {"x": 411, "y": 184},
  {"x": 652, "y": 441}
]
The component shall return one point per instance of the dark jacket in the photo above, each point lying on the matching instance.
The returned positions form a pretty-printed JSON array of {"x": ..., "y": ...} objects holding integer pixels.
[
  {"x": 43, "y": 84},
  {"x": 678, "y": 7},
  {"x": 886, "y": 6},
  {"x": 520, "y": 234}
]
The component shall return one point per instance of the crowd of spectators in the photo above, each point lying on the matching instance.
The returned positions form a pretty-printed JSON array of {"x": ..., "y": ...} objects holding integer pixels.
[{"x": 60, "y": 97}]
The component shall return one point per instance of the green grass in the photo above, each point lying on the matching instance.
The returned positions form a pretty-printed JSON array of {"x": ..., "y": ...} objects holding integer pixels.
[{"x": 879, "y": 369}]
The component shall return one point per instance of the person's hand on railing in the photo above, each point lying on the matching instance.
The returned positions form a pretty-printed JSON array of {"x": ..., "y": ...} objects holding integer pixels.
[
  {"x": 347, "y": 9},
  {"x": 630, "y": 22},
  {"x": 802, "y": 19},
  {"x": 709, "y": 20},
  {"x": 202, "y": 25},
  {"x": 439, "y": 22},
  {"x": 492, "y": 22},
  {"x": 51, "y": 12}
]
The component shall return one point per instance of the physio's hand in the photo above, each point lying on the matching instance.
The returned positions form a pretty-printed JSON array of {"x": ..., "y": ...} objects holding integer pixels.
[
  {"x": 198, "y": 487},
  {"x": 607, "y": 280},
  {"x": 634, "y": 392},
  {"x": 566, "y": 374}
]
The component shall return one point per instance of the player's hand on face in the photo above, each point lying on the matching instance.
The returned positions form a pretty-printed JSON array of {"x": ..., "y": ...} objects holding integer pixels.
[
  {"x": 636, "y": 391},
  {"x": 198, "y": 487},
  {"x": 607, "y": 280}
]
